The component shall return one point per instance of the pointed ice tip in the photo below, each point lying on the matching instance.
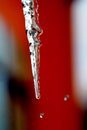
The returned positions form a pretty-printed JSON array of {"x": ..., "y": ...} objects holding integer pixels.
[
  {"x": 38, "y": 96},
  {"x": 37, "y": 91}
]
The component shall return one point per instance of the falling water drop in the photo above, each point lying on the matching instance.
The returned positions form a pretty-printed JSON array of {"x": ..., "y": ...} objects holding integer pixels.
[
  {"x": 66, "y": 97},
  {"x": 42, "y": 115}
]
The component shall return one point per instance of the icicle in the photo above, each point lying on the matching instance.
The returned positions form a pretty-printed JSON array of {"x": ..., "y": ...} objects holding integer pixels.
[{"x": 33, "y": 33}]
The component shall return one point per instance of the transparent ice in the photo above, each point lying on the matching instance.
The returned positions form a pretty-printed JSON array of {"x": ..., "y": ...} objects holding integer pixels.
[{"x": 33, "y": 34}]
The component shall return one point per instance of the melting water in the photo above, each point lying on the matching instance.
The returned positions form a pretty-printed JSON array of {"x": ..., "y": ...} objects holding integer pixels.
[
  {"x": 66, "y": 97},
  {"x": 42, "y": 115},
  {"x": 30, "y": 11}
]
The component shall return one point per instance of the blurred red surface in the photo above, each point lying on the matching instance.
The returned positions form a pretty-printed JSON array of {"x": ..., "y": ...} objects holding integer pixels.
[{"x": 55, "y": 65}]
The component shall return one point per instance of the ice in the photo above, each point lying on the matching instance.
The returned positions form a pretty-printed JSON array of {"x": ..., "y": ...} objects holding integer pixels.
[{"x": 33, "y": 32}]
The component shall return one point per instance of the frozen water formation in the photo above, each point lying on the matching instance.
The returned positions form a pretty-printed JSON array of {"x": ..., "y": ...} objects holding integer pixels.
[{"x": 33, "y": 31}]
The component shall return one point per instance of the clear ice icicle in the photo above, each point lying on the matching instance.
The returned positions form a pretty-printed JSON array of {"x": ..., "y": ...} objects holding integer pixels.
[{"x": 33, "y": 31}]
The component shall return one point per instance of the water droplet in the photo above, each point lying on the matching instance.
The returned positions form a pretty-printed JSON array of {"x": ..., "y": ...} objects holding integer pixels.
[
  {"x": 66, "y": 97},
  {"x": 41, "y": 115}
]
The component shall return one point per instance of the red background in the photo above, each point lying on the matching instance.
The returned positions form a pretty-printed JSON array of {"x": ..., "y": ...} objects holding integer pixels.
[{"x": 55, "y": 65}]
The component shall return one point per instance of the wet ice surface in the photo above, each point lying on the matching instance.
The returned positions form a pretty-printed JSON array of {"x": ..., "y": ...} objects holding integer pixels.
[{"x": 33, "y": 31}]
